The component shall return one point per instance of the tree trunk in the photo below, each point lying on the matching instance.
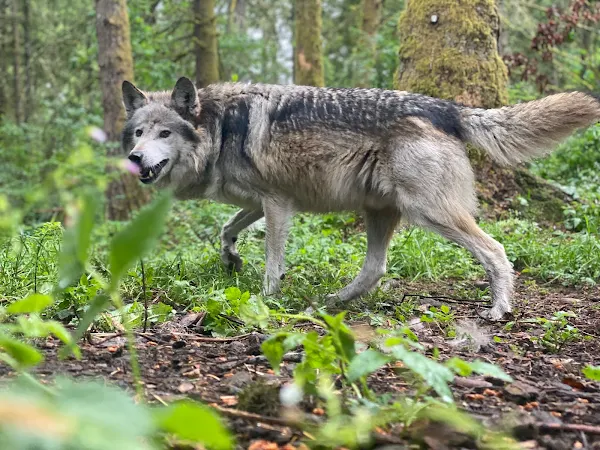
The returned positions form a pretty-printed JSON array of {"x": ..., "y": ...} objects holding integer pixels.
[
  {"x": 308, "y": 64},
  {"x": 205, "y": 43},
  {"x": 3, "y": 61},
  {"x": 371, "y": 16},
  {"x": 124, "y": 193},
  {"x": 449, "y": 50},
  {"x": 16, "y": 25},
  {"x": 27, "y": 105},
  {"x": 236, "y": 20}
]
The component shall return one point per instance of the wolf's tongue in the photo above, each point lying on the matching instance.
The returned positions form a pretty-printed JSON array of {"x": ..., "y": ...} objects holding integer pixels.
[{"x": 131, "y": 167}]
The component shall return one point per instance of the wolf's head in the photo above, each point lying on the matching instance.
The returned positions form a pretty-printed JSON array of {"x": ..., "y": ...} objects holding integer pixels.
[{"x": 160, "y": 135}]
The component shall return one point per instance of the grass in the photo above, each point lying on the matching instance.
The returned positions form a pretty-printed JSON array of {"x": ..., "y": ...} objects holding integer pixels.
[{"x": 323, "y": 253}]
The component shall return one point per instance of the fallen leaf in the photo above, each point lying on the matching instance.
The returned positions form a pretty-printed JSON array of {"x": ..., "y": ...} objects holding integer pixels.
[
  {"x": 556, "y": 413},
  {"x": 475, "y": 397},
  {"x": 185, "y": 387},
  {"x": 318, "y": 412},
  {"x": 263, "y": 445},
  {"x": 531, "y": 405},
  {"x": 229, "y": 400},
  {"x": 575, "y": 384},
  {"x": 492, "y": 393}
]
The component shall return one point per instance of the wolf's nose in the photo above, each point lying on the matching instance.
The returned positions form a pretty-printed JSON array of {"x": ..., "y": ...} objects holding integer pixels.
[{"x": 136, "y": 157}]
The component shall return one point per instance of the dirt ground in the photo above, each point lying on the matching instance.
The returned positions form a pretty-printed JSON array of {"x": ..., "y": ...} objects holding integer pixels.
[{"x": 550, "y": 405}]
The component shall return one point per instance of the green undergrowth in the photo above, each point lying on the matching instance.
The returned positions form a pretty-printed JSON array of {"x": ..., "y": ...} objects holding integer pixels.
[{"x": 323, "y": 253}]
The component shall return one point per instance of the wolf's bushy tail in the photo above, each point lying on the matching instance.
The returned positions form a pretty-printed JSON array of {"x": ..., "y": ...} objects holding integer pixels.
[{"x": 517, "y": 133}]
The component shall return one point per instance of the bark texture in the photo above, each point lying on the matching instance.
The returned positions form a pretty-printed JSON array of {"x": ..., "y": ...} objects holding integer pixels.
[
  {"x": 125, "y": 193},
  {"x": 308, "y": 54},
  {"x": 16, "y": 29},
  {"x": 371, "y": 16},
  {"x": 449, "y": 50},
  {"x": 205, "y": 43}
]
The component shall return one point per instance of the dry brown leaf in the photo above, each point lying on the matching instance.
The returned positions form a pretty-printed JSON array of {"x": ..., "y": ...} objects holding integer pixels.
[{"x": 263, "y": 445}]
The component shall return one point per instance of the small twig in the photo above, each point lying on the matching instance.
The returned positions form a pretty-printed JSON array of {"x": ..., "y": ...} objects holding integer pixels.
[
  {"x": 485, "y": 303},
  {"x": 379, "y": 438},
  {"x": 195, "y": 337},
  {"x": 590, "y": 429}
]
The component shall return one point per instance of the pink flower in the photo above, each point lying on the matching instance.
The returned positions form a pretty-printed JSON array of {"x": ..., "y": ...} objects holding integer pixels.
[{"x": 131, "y": 167}]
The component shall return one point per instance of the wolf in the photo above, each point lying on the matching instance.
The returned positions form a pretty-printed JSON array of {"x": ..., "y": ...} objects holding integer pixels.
[{"x": 275, "y": 150}]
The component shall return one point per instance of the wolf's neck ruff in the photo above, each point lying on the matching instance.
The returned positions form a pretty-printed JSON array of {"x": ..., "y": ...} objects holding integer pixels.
[{"x": 274, "y": 150}]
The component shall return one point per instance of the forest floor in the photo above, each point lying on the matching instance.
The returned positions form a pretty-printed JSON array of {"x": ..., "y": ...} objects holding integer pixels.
[{"x": 550, "y": 404}]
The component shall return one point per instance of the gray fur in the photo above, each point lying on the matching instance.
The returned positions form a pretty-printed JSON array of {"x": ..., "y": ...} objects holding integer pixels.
[{"x": 275, "y": 150}]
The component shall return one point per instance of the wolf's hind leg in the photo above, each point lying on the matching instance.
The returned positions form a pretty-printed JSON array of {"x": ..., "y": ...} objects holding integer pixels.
[
  {"x": 278, "y": 213},
  {"x": 229, "y": 233},
  {"x": 461, "y": 228},
  {"x": 380, "y": 229}
]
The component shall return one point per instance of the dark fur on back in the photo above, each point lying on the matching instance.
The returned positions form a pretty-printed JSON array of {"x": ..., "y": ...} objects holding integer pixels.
[{"x": 298, "y": 108}]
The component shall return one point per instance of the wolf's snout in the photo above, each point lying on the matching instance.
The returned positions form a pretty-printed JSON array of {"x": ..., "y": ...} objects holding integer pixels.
[{"x": 136, "y": 157}]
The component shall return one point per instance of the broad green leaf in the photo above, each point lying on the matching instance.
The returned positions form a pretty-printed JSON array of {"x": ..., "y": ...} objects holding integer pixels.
[
  {"x": 343, "y": 339},
  {"x": 24, "y": 354},
  {"x": 483, "y": 368},
  {"x": 33, "y": 303},
  {"x": 97, "y": 305},
  {"x": 276, "y": 346},
  {"x": 365, "y": 363},
  {"x": 138, "y": 237},
  {"x": 233, "y": 294},
  {"x": 76, "y": 242},
  {"x": 194, "y": 422},
  {"x": 254, "y": 312},
  {"x": 273, "y": 350},
  {"x": 435, "y": 374},
  {"x": 592, "y": 372},
  {"x": 460, "y": 366}
]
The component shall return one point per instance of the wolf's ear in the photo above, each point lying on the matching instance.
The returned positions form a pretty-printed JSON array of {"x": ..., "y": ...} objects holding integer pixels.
[
  {"x": 133, "y": 98},
  {"x": 185, "y": 99}
]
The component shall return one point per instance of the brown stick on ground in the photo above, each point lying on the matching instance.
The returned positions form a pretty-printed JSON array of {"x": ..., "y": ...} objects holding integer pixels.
[
  {"x": 378, "y": 438},
  {"x": 590, "y": 429}
]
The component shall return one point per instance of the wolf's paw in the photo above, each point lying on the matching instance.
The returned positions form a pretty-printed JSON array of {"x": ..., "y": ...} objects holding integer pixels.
[
  {"x": 231, "y": 260},
  {"x": 496, "y": 313}
]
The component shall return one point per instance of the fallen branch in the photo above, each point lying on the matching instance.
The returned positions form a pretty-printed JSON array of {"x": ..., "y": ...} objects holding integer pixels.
[
  {"x": 443, "y": 298},
  {"x": 575, "y": 427},
  {"x": 378, "y": 438}
]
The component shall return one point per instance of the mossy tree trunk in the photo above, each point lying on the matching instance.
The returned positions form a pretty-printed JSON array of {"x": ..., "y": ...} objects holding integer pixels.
[
  {"x": 371, "y": 16},
  {"x": 236, "y": 17},
  {"x": 308, "y": 52},
  {"x": 4, "y": 29},
  {"x": 28, "y": 99},
  {"x": 449, "y": 50},
  {"x": 367, "y": 44},
  {"x": 16, "y": 30},
  {"x": 205, "y": 43},
  {"x": 124, "y": 193}
]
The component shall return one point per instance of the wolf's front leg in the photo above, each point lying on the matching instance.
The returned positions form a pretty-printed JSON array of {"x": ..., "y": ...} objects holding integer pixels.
[
  {"x": 278, "y": 213},
  {"x": 229, "y": 234}
]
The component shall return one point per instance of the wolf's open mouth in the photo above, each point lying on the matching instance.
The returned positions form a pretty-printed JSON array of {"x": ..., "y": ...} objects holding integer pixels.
[{"x": 149, "y": 174}]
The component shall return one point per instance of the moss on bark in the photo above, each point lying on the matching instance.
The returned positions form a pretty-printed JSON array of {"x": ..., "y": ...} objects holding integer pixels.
[
  {"x": 205, "y": 43},
  {"x": 449, "y": 50},
  {"x": 124, "y": 193},
  {"x": 308, "y": 64}
]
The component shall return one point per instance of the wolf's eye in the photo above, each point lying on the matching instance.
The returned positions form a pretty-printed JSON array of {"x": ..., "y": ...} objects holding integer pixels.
[
  {"x": 138, "y": 132},
  {"x": 164, "y": 134}
]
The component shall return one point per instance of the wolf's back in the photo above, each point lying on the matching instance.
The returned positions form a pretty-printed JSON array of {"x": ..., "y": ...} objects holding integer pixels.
[{"x": 518, "y": 133}]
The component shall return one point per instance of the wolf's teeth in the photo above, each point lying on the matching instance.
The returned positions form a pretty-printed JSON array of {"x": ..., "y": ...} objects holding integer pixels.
[{"x": 151, "y": 173}]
